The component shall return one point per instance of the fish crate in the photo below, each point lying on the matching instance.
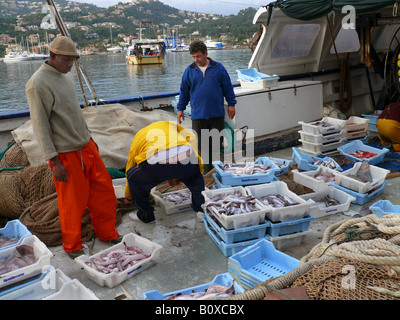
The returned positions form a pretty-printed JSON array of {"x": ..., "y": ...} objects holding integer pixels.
[
  {"x": 282, "y": 164},
  {"x": 284, "y": 213},
  {"x": 334, "y": 126},
  {"x": 223, "y": 279},
  {"x": 383, "y": 207},
  {"x": 14, "y": 229},
  {"x": 363, "y": 198},
  {"x": 260, "y": 262},
  {"x": 276, "y": 229},
  {"x": 355, "y": 123},
  {"x": 373, "y": 118},
  {"x": 319, "y": 148},
  {"x": 73, "y": 290},
  {"x": 234, "y": 221},
  {"x": 169, "y": 207},
  {"x": 307, "y": 179},
  {"x": 320, "y": 138},
  {"x": 355, "y": 134},
  {"x": 272, "y": 81},
  {"x": 378, "y": 176},
  {"x": 237, "y": 235},
  {"x": 252, "y": 75},
  {"x": 119, "y": 187},
  {"x": 305, "y": 161},
  {"x": 319, "y": 210},
  {"x": 112, "y": 279},
  {"x": 289, "y": 240},
  {"x": 42, "y": 259},
  {"x": 227, "y": 178},
  {"x": 219, "y": 184},
  {"x": 228, "y": 249},
  {"x": 350, "y": 148}
]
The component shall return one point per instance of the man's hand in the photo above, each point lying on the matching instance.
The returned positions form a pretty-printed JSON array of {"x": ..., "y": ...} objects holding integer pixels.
[
  {"x": 59, "y": 171},
  {"x": 231, "y": 112},
  {"x": 180, "y": 115}
]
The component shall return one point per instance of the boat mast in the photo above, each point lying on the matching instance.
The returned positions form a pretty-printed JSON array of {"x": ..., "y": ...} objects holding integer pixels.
[{"x": 79, "y": 69}]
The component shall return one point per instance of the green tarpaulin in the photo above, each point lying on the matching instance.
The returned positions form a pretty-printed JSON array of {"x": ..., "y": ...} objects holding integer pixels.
[{"x": 312, "y": 9}]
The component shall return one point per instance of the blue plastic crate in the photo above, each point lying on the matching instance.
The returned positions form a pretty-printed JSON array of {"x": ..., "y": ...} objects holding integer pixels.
[
  {"x": 228, "y": 249},
  {"x": 382, "y": 207},
  {"x": 373, "y": 118},
  {"x": 355, "y": 145},
  {"x": 246, "y": 283},
  {"x": 276, "y": 229},
  {"x": 14, "y": 229},
  {"x": 362, "y": 198},
  {"x": 240, "y": 234},
  {"x": 228, "y": 178},
  {"x": 223, "y": 279},
  {"x": 262, "y": 261},
  {"x": 304, "y": 161},
  {"x": 252, "y": 75},
  {"x": 284, "y": 164}
]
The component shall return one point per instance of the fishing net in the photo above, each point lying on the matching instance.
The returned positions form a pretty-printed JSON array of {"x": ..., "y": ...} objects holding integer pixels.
[{"x": 357, "y": 259}]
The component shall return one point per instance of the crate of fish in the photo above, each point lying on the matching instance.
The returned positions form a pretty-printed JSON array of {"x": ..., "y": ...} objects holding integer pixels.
[
  {"x": 118, "y": 263},
  {"x": 13, "y": 233},
  {"x": 218, "y": 182},
  {"x": 328, "y": 201},
  {"x": 326, "y": 125},
  {"x": 221, "y": 287},
  {"x": 119, "y": 187},
  {"x": 289, "y": 240},
  {"x": 260, "y": 262},
  {"x": 362, "y": 177},
  {"x": 228, "y": 249},
  {"x": 355, "y": 123},
  {"x": 23, "y": 261},
  {"x": 280, "y": 203},
  {"x": 363, "y": 198},
  {"x": 73, "y": 290},
  {"x": 315, "y": 179},
  {"x": 174, "y": 201},
  {"x": 236, "y": 235},
  {"x": 355, "y": 134},
  {"x": 276, "y": 229},
  {"x": 245, "y": 173},
  {"x": 383, "y": 207},
  {"x": 308, "y": 162},
  {"x": 320, "y": 138},
  {"x": 319, "y": 148},
  {"x": 282, "y": 164},
  {"x": 233, "y": 207},
  {"x": 358, "y": 151}
]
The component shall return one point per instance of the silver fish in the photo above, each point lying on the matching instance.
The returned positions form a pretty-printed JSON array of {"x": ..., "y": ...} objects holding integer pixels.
[
  {"x": 178, "y": 197},
  {"x": 239, "y": 169},
  {"x": 214, "y": 292},
  {"x": 232, "y": 204}
]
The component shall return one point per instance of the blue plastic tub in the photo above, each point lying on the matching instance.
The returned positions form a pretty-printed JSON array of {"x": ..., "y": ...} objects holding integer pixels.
[
  {"x": 252, "y": 75},
  {"x": 262, "y": 261},
  {"x": 355, "y": 145},
  {"x": 224, "y": 279},
  {"x": 382, "y": 207},
  {"x": 304, "y": 161},
  {"x": 373, "y": 118},
  {"x": 14, "y": 229},
  {"x": 283, "y": 164},
  {"x": 228, "y": 249},
  {"x": 362, "y": 198},
  {"x": 227, "y": 178},
  {"x": 276, "y": 229},
  {"x": 240, "y": 234}
]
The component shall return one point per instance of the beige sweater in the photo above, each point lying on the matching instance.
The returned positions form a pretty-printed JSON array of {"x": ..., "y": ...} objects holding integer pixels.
[{"x": 57, "y": 118}]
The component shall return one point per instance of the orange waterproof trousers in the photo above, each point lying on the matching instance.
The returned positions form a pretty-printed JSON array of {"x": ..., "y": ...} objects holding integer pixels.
[{"x": 89, "y": 186}]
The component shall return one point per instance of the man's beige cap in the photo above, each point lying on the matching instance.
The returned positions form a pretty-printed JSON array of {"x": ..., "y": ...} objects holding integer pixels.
[{"x": 63, "y": 45}]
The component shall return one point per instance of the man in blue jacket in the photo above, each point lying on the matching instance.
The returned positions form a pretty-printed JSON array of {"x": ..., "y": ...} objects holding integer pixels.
[{"x": 205, "y": 84}]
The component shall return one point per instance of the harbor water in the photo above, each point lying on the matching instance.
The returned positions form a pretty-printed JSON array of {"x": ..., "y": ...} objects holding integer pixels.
[{"x": 112, "y": 78}]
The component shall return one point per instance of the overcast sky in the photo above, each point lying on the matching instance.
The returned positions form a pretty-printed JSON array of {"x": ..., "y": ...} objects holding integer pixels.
[{"x": 224, "y": 7}]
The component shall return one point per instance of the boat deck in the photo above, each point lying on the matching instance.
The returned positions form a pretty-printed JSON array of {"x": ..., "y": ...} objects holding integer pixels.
[{"x": 189, "y": 256}]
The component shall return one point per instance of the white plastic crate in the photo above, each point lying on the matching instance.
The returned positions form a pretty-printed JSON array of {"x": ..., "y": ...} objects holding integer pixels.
[
  {"x": 319, "y": 148},
  {"x": 289, "y": 241},
  {"x": 235, "y": 221},
  {"x": 119, "y": 187},
  {"x": 336, "y": 125},
  {"x": 260, "y": 84},
  {"x": 320, "y": 138},
  {"x": 73, "y": 290},
  {"x": 169, "y": 207},
  {"x": 319, "y": 210},
  {"x": 112, "y": 279},
  {"x": 378, "y": 177},
  {"x": 307, "y": 179},
  {"x": 355, "y": 134},
  {"x": 355, "y": 123},
  {"x": 285, "y": 213},
  {"x": 42, "y": 255}
]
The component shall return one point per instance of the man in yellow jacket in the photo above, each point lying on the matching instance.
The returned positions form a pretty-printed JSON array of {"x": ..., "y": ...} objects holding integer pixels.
[{"x": 159, "y": 152}]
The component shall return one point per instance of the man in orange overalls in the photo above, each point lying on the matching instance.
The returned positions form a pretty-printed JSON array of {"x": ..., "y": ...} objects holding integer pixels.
[{"x": 80, "y": 176}]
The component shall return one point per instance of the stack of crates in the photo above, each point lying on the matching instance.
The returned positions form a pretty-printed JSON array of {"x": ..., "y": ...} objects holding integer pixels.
[
  {"x": 323, "y": 136},
  {"x": 356, "y": 128}
]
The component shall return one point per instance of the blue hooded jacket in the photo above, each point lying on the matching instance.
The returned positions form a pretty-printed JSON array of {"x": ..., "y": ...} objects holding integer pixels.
[{"x": 206, "y": 93}]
